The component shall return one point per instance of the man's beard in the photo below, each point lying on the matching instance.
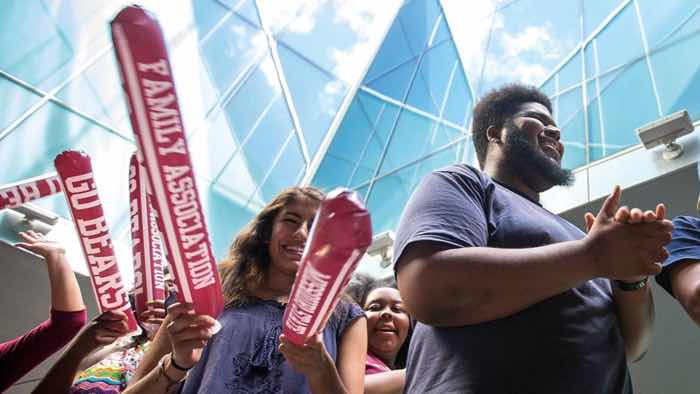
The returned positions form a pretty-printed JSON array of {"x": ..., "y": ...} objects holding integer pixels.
[{"x": 532, "y": 165}]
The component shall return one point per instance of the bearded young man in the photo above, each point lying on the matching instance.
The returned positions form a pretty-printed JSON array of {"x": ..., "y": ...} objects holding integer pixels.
[{"x": 510, "y": 297}]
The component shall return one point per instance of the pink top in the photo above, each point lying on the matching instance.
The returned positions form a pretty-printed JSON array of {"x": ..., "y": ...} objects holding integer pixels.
[
  {"x": 18, "y": 356},
  {"x": 375, "y": 365}
]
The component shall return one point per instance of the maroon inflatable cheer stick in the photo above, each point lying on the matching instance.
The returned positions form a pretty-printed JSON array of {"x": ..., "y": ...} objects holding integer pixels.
[
  {"x": 160, "y": 136},
  {"x": 339, "y": 237},
  {"x": 18, "y": 193},
  {"x": 75, "y": 172},
  {"x": 149, "y": 281}
]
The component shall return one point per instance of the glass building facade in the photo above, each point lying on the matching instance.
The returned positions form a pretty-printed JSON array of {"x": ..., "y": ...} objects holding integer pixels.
[{"x": 369, "y": 95}]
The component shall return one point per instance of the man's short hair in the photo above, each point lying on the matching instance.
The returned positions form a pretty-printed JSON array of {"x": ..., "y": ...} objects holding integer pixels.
[{"x": 496, "y": 107}]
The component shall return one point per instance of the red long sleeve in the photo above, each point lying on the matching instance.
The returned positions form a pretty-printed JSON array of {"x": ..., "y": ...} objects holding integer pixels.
[{"x": 20, "y": 355}]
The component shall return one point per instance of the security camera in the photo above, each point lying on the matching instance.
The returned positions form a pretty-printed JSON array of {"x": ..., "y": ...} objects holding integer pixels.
[
  {"x": 665, "y": 131},
  {"x": 381, "y": 246}
]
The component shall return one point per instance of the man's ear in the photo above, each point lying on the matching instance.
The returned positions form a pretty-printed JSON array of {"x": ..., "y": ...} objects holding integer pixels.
[{"x": 493, "y": 134}]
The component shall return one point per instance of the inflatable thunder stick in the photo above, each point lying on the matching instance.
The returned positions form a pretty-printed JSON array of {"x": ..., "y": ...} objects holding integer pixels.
[
  {"x": 75, "y": 172},
  {"x": 155, "y": 117},
  {"x": 339, "y": 237},
  {"x": 149, "y": 280},
  {"x": 18, "y": 193}
]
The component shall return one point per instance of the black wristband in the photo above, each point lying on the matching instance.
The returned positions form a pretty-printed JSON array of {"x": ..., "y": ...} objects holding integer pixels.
[
  {"x": 174, "y": 364},
  {"x": 631, "y": 286}
]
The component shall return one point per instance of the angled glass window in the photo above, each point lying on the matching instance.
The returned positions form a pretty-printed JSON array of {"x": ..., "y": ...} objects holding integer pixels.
[
  {"x": 459, "y": 101},
  {"x": 375, "y": 146},
  {"x": 431, "y": 83},
  {"x": 442, "y": 33},
  {"x": 570, "y": 73},
  {"x": 15, "y": 100},
  {"x": 207, "y": 14},
  {"x": 371, "y": 104},
  {"x": 412, "y": 134},
  {"x": 595, "y": 12},
  {"x": 245, "y": 9},
  {"x": 288, "y": 170},
  {"x": 362, "y": 193},
  {"x": 393, "y": 52},
  {"x": 316, "y": 95},
  {"x": 213, "y": 146},
  {"x": 253, "y": 99},
  {"x": 231, "y": 49},
  {"x": 617, "y": 101},
  {"x": 590, "y": 55},
  {"x": 621, "y": 41},
  {"x": 678, "y": 75},
  {"x": 395, "y": 83},
  {"x": 259, "y": 151},
  {"x": 663, "y": 20},
  {"x": 596, "y": 132},
  {"x": 418, "y": 19},
  {"x": 570, "y": 119},
  {"x": 346, "y": 149},
  {"x": 388, "y": 197},
  {"x": 225, "y": 217}
]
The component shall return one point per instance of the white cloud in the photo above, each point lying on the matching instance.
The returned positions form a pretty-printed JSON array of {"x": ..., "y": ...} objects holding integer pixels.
[
  {"x": 298, "y": 16},
  {"x": 535, "y": 39}
]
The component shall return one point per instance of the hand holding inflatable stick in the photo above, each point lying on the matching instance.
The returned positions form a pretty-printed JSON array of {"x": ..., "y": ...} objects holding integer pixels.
[
  {"x": 340, "y": 235},
  {"x": 155, "y": 117},
  {"x": 75, "y": 172}
]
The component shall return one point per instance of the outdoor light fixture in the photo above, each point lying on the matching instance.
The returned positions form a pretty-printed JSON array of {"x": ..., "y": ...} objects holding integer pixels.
[
  {"x": 381, "y": 246},
  {"x": 31, "y": 217},
  {"x": 665, "y": 131}
]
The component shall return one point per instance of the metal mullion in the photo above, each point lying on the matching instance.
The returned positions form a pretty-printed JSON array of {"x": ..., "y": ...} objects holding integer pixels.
[
  {"x": 601, "y": 116},
  {"x": 584, "y": 90},
  {"x": 367, "y": 143}
]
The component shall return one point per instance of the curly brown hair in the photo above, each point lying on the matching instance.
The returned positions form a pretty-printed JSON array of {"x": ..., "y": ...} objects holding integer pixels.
[{"x": 245, "y": 267}]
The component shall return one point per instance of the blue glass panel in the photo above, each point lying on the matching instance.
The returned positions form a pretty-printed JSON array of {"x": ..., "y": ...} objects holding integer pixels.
[
  {"x": 375, "y": 147},
  {"x": 232, "y": 47},
  {"x": 315, "y": 94},
  {"x": 661, "y": 19},
  {"x": 595, "y": 12},
  {"x": 395, "y": 83},
  {"x": 249, "y": 12},
  {"x": 371, "y": 104},
  {"x": 42, "y": 50},
  {"x": 459, "y": 102},
  {"x": 429, "y": 88},
  {"x": 620, "y": 122},
  {"x": 444, "y": 158},
  {"x": 388, "y": 198},
  {"x": 206, "y": 14},
  {"x": 16, "y": 100},
  {"x": 549, "y": 87},
  {"x": 413, "y": 132},
  {"x": 212, "y": 147},
  {"x": 253, "y": 99},
  {"x": 225, "y": 218},
  {"x": 442, "y": 33},
  {"x": 394, "y": 51},
  {"x": 258, "y": 152},
  {"x": 362, "y": 192},
  {"x": 571, "y": 122},
  {"x": 287, "y": 172},
  {"x": 334, "y": 171},
  {"x": 620, "y": 41},
  {"x": 678, "y": 76},
  {"x": 345, "y": 150},
  {"x": 418, "y": 20},
  {"x": 51, "y": 130},
  {"x": 570, "y": 73}
]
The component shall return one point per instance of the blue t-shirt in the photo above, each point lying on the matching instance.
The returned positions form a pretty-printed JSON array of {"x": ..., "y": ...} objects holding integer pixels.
[
  {"x": 244, "y": 356},
  {"x": 684, "y": 246},
  {"x": 567, "y": 344}
]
